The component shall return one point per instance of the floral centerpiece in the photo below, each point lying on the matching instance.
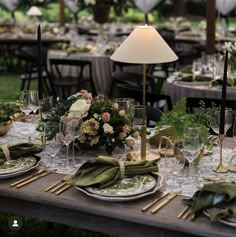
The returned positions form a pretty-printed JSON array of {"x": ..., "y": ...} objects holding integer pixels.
[{"x": 101, "y": 120}]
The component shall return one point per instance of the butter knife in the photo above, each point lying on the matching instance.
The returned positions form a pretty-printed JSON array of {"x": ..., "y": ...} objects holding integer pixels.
[
  {"x": 154, "y": 201},
  {"x": 33, "y": 179},
  {"x": 164, "y": 202},
  {"x": 26, "y": 178}
]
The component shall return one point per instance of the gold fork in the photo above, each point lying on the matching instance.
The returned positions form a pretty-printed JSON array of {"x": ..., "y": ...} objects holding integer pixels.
[{"x": 54, "y": 187}]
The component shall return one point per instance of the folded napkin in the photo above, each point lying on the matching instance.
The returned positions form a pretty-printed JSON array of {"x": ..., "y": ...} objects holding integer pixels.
[
  {"x": 218, "y": 200},
  {"x": 189, "y": 77},
  {"x": 219, "y": 82},
  {"x": 18, "y": 150},
  {"x": 105, "y": 171}
]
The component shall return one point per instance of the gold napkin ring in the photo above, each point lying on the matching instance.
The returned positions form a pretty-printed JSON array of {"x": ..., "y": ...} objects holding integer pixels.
[
  {"x": 6, "y": 152},
  {"x": 122, "y": 168}
]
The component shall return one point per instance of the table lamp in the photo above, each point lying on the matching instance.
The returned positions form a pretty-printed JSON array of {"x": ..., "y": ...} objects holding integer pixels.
[
  {"x": 34, "y": 12},
  {"x": 144, "y": 46}
]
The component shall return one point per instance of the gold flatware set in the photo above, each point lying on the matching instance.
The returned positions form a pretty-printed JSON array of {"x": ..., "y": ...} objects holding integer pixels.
[
  {"x": 185, "y": 213},
  {"x": 60, "y": 186},
  {"x": 57, "y": 188},
  {"x": 165, "y": 197}
]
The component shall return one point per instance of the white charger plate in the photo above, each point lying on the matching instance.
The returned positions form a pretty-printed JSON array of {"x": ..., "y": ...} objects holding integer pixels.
[
  {"x": 230, "y": 221},
  {"x": 157, "y": 186}
]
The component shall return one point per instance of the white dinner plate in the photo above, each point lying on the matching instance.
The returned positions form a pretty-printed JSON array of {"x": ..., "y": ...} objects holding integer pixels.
[
  {"x": 230, "y": 221},
  {"x": 158, "y": 184}
]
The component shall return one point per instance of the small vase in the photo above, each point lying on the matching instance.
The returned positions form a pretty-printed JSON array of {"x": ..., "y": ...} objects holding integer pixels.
[
  {"x": 101, "y": 13},
  {"x": 5, "y": 127}
]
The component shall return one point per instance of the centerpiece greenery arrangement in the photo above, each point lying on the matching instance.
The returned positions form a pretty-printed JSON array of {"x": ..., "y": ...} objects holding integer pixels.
[
  {"x": 178, "y": 118},
  {"x": 101, "y": 120}
]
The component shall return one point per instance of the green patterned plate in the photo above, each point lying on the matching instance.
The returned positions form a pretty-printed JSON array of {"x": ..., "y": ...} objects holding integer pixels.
[
  {"x": 12, "y": 166},
  {"x": 126, "y": 187}
]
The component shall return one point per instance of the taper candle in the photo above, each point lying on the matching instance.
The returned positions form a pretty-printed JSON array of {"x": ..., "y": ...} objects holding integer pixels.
[
  {"x": 40, "y": 82},
  {"x": 223, "y": 96}
]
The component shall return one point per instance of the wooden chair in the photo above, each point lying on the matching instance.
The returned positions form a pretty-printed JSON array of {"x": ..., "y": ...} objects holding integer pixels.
[{"x": 65, "y": 83}]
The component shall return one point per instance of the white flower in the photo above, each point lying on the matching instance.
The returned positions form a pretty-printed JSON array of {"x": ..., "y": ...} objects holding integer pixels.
[
  {"x": 79, "y": 109},
  {"x": 107, "y": 128},
  {"x": 122, "y": 113}
]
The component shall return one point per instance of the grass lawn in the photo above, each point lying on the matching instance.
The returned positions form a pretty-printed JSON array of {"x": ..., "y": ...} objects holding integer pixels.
[{"x": 10, "y": 85}]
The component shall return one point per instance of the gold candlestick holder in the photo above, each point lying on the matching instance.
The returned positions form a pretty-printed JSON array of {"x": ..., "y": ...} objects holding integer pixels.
[{"x": 221, "y": 168}]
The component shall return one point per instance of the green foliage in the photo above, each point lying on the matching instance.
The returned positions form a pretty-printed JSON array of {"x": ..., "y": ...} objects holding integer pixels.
[
  {"x": 7, "y": 110},
  {"x": 178, "y": 118}
]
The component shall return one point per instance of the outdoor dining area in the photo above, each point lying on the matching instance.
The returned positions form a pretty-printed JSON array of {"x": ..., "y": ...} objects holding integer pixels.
[{"x": 118, "y": 124}]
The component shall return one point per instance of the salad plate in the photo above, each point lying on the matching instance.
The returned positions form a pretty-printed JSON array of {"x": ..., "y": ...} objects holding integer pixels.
[
  {"x": 12, "y": 166},
  {"x": 129, "y": 188},
  {"x": 29, "y": 164}
]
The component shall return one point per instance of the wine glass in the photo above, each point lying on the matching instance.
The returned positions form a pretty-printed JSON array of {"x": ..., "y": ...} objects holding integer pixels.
[
  {"x": 66, "y": 136},
  {"x": 51, "y": 129},
  {"x": 34, "y": 101},
  {"x": 215, "y": 122}
]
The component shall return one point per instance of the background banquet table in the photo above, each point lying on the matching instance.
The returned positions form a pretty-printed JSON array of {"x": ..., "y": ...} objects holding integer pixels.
[
  {"x": 177, "y": 89},
  {"x": 102, "y": 68}
]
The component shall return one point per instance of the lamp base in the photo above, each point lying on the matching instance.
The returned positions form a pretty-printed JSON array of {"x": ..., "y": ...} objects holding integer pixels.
[
  {"x": 220, "y": 169},
  {"x": 143, "y": 142}
]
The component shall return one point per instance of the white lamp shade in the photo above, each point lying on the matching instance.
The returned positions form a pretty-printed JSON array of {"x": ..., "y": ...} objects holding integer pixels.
[
  {"x": 34, "y": 11},
  {"x": 144, "y": 46}
]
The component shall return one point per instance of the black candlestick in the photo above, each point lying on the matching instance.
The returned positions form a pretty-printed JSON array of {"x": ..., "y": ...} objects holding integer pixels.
[{"x": 40, "y": 82}]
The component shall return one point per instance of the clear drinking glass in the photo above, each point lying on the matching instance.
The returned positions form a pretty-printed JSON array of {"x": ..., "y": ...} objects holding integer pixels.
[
  {"x": 192, "y": 145},
  {"x": 215, "y": 122},
  {"x": 47, "y": 106},
  {"x": 51, "y": 129},
  {"x": 126, "y": 104},
  {"x": 196, "y": 68},
  {"x": 66, "y": 136},
  {"x": 34, "y": 99}
]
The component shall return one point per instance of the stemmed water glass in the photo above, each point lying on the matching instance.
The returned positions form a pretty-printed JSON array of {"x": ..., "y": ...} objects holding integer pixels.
[{"x": 196, "y": 68}]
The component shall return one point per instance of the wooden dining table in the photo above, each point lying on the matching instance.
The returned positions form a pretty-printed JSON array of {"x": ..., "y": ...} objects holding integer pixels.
[{"x": 74, "y": 208}]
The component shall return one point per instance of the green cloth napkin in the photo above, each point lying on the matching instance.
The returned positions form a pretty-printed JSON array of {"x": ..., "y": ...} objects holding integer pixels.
[
  {"x": 105, "y": 171},
  {"x": 218, "y": 200},
  {"x": 20, "y": 150},
  {"x": 218, "y": 82},
  {"x": 189, "y": 77}
]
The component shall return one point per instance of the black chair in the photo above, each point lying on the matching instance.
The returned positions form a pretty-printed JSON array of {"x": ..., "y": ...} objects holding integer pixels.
[
  {"x": 152, "y": 98},
  {"x": 29, "y": 56},
  {"x": 65, "y": 83}
]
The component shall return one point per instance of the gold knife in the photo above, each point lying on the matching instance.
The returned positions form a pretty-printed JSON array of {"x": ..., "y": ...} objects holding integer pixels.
[
  {"x": 164, "y": 202},
  {"x": 26, "y": 178},
  {"x": 154, "y": 201},
  {"x": 63, "y": 189},
  {"x": 33, "y": 179}
]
